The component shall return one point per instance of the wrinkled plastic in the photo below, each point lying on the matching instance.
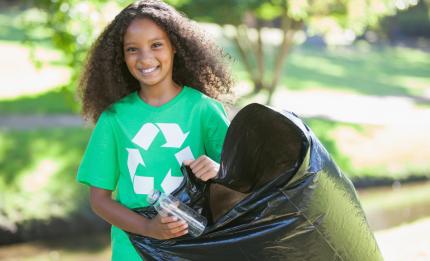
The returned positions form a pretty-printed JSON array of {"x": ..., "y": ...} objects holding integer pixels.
[
  {"x": 279, "y": 196},
  {"x": 169, "y": 205}
]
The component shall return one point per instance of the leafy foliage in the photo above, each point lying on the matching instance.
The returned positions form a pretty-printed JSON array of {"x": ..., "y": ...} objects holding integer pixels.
[
  {"x": 73, "y": 25},
  {"x": 331, "y": 18}
]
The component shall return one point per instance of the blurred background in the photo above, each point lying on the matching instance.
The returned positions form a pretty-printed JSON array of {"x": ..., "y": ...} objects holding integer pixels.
[{"x": 358, "y": 72}]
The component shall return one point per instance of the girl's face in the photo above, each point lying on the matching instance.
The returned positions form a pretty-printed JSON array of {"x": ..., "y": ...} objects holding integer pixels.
[{"x": 148, "y": 53}]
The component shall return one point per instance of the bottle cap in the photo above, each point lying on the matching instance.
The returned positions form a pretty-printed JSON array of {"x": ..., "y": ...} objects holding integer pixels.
[{"x": 153, "y": 196}]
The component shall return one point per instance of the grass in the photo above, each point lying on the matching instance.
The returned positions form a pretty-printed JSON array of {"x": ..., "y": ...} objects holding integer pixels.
[
  {"x": 379, "y": 71},
  {"x": 323, "y": 129},
  {"x": 55, "y": 101},
  {"x": 374, "y": 151},
  {"x": 361, "y": 69},
  {"x": 36, "y": 165},
  {"x": 33, "y": 79},
  {"x": 395, "y": 198},
  {"x": 85, "y": 248},
  {"x": 392, "y": 206},
  {"x": 27, "y": 89}
]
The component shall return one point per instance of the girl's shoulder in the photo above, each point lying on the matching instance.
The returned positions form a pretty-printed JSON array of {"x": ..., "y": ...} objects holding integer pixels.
[
  {"x": 127, "y": 103},
  {"x": 208, "y": 106},
  {"x": 202, "y": 99}
]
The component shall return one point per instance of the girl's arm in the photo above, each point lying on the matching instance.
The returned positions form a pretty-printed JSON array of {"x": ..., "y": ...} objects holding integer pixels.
[{"x": 120, "y": 216}]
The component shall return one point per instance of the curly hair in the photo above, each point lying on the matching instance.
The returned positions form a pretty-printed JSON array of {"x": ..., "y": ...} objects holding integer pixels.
[{"x": 198, "y": 62}]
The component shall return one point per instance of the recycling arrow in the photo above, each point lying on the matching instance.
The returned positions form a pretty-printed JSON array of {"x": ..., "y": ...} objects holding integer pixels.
[
  {"x": 143, "y": 185},
  {"x": 133, "y": 161},
  {"x": 146, "y": 135},
  {"x": 170, "y": 183},
  {"x": 185, "y": 154},
  {"x": 173, "y": 135}
]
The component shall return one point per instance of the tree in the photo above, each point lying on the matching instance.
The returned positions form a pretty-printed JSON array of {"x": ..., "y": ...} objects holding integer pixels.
[
  {"x": 323, "y": 17},
  {"x": 73, "y": 25}
]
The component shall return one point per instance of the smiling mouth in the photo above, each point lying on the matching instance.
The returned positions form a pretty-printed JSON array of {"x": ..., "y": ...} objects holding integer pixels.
[{"x": 148, "y": 70}]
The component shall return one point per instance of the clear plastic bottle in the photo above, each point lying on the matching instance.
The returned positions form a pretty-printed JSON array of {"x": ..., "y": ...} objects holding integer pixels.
[{"x": 167, "y": 204}]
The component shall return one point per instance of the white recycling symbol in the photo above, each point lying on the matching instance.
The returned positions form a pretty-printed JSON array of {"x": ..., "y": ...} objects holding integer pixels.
[{"x": 174, "y": 137}]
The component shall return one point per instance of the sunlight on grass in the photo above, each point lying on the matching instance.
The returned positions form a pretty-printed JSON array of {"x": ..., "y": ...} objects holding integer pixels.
[
  {"x": 416, "y": 85},
  {"x": 384, "y": 150},
  {"x": 55, "y": 101},
  {"x": 409, "y": 55},
  {"x": 354, "y": 108},
  {"x": 320, "y": 65},
  {"x": 21, "y": 77},
  {"x": 373, "y": 72}
]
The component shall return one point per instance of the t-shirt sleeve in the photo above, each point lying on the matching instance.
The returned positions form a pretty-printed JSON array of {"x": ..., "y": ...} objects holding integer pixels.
[
  {"x": 99, "y": 165},
  {"x": 215, "y": 129}
]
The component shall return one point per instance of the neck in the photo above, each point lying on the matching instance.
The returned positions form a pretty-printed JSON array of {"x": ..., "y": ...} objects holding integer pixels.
[{"x": 159, "y": 95}]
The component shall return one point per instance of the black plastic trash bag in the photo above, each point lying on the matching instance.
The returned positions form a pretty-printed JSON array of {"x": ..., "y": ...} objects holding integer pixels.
[{"x": 279, "y": 196}]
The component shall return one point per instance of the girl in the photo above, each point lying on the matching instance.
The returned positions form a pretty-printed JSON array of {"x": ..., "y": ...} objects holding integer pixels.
[{"x": 150, "y": 85}]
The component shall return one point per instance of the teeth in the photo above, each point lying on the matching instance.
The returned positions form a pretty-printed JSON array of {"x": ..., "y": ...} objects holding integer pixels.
[{"x": 149, "y": 70}]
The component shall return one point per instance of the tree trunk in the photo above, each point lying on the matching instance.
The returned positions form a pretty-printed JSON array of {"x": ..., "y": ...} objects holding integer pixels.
[
  {"x": 289, "y": 28},
  {"x": 279, "y": 62},
  {"x": 259, "y": 54},
  {"x": 246, "y": 50}
]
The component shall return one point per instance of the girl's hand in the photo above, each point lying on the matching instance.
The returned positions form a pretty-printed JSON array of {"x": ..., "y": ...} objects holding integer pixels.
[
  {"x": 203, "y": 168},
  {"x": 166, "y": 227}
]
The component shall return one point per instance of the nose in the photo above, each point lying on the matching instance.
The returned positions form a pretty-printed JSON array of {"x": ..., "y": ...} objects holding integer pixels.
[{"x": 146, "y": 57}]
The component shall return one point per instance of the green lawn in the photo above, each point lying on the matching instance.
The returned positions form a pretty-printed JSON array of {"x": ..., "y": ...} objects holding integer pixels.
[
  {"x": 383, "y": 71},
  {"x": 54, "y": 101},
  {"x": 36, "y": 165}
]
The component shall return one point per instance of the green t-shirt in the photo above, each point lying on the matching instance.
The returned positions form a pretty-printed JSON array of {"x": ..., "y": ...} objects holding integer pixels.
[{"x": 136, "y": 147}]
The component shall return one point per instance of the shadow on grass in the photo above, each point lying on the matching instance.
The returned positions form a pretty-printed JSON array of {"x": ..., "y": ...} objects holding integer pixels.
[
  {"x": 373, "y": 72},
  {"x": 370, "y": 71}
]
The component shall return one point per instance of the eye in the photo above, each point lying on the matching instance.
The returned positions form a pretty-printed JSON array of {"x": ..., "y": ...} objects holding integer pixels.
[
  {"x": 131, "y": 49},
  {"x": 157, "y": 45}
]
